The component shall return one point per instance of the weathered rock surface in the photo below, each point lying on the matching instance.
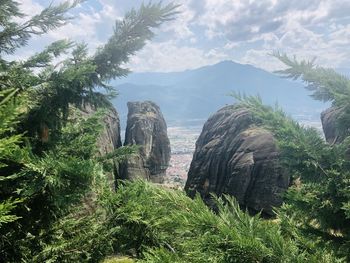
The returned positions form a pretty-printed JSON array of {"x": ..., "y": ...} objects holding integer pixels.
[
  {"x": 146, "y": 127},
  {"x": 235, "y": 157},
  {"x": 329, "y": 124},
  {"x": 109, "y": 139}
]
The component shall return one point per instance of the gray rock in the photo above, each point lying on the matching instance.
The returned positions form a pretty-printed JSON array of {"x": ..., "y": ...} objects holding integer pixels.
[
  {"x": 329, "y": 124},
  {"x": 235, "y": 157},
  {"x": 109, "y": 139},
  {"x": 146, "y": 127}
]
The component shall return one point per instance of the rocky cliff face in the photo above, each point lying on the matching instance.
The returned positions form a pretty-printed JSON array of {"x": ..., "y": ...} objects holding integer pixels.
[
  {"x": 109, "y": 139},
  {"x": 146, "y": 127},
  {"x": 329, "y": 125},
  {"x": 235, "y": 157}
]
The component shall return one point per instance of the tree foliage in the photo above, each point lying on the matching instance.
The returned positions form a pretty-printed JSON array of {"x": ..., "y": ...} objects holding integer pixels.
[
  {"x": 49, "y": 165},
  {"x": 56, "y": 204},
  {"x": 10, "y": 150},
  {"x": 78, "y": 79},
  {"x": 326, "y": 85},
  {"x": 317, "y": 204},
  {"x": 155, "y": 224},
  {"x": 15, "y": 34},
  {"x": 130, "y": 35}
]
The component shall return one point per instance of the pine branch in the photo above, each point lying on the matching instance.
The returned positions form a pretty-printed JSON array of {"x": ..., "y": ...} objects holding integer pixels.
[
  {"x": 9, "y": 8},
  {"x": 14, "y": 35},
  {"x": 326, "y": 84},
  {"x": 44, "y": 58},
  {"x": 130, "y": 35}
]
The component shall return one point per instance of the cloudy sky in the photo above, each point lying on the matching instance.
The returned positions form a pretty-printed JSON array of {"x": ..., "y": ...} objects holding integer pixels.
[{"x": 209, "y": 31}]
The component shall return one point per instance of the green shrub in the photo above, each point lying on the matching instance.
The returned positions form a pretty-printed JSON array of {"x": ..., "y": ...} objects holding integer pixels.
[
  {"x": 118, "y": 260},
  {"x": 164, "y": 225}
]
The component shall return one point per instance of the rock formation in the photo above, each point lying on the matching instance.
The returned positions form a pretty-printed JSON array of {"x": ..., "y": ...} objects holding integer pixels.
[
  {"x": 146, "y": 127},
  {"x": 109, "y": 139},
  {"x": 329, "y": 124},
  {"x": 235, "y": 157}
]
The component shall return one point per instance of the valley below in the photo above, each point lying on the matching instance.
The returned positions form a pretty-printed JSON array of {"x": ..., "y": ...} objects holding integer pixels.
[{"x": 182, "y": 142}]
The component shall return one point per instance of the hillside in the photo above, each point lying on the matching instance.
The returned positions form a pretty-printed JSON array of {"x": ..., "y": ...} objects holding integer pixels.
[{"x": 193, "y": 95}]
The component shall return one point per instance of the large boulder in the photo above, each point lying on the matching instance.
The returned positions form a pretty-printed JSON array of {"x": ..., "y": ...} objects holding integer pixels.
[
  {"x": 109, "y": 139},
  {"x": 146, "y": 128},
  {"x": 329, "y": 121},
  {"x": 233, "y": 156}
]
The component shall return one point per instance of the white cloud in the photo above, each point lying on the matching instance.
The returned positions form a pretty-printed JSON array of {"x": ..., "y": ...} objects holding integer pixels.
[
  {"x": 231, "y": 46},
  {"x": 109, "y": 11},
  {"x": 329, "y": 50},
  {"x": 208, "y": 31},
  {"x": 307, "y": 29},
  {"x": 83, "y": 26},
  {"x": 193, "y": 40},
  {"x": 285, "y": 25},
  {"x": 168, "y": 56},
  {"x": 81, "y": 29},
  {"x": 180, "y": 27},
  {"x": 30, "y": 7},
  {"x": 261, "y": 58}
]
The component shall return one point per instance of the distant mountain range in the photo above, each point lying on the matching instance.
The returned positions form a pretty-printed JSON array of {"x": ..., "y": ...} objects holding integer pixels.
[{"x": 191, "y": 96}]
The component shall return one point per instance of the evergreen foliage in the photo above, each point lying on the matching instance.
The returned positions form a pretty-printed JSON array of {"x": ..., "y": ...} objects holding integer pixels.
[
  {"x": 317, "y": 203},
  {"x": 321, "y": 206},
  {"x": 56, "y": 204},
  {"x": 10, "y": 150},
  {"x": 48, "y": 186},
  {"x": 163, "y": 225},
  {"x": 130, "y": 35},
  {"x": 156, "y": 224},
  {"x": 16, "y": 34},
  {"x": 326, "y": 85},
  {"x": 49, "y": 165},
  {"x": 78, "y": 79}
]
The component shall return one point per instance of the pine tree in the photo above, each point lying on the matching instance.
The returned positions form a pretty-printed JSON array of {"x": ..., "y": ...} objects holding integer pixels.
[{"x": 48, "y": 154}]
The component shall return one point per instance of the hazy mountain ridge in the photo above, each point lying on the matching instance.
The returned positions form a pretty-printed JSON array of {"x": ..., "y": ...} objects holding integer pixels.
[{"x": 196, "y": 94}]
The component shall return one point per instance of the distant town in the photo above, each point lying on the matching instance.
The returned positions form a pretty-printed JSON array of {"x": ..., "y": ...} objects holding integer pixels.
[{"x": 182, "y": 141}]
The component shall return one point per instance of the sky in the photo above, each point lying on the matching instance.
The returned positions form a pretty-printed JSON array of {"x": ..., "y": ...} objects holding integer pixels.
[{"x": 209, "y": 31}]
